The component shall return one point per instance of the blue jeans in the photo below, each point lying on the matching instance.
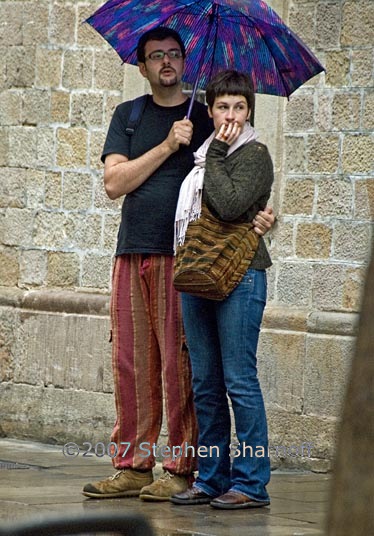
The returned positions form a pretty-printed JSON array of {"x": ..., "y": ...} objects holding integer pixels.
[{"x": 222, "y": 340}]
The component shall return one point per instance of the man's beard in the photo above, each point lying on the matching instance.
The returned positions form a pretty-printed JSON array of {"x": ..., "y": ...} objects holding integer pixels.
[{"x": 169, "y": 81}]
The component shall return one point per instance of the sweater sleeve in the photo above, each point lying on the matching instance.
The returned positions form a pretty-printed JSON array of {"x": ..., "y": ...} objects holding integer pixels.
[{"x": 243, "y": 180}]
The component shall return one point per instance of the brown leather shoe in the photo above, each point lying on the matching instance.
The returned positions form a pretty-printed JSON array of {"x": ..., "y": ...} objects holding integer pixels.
[
  {"x": 233, "y": 500},
  {"x": 192, "y": 495}
]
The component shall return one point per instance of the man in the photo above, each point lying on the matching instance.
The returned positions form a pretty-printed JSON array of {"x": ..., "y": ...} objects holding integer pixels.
[{"x": 149, "y": 350}]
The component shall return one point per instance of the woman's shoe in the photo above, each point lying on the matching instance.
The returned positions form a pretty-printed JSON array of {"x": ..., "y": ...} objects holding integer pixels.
[
  {"x": 233, "y": 500},
  {"x": 192, "y": 495}
]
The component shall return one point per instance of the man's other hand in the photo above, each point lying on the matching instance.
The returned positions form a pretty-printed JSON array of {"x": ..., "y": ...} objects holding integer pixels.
[{"x": 264, "y": 220}]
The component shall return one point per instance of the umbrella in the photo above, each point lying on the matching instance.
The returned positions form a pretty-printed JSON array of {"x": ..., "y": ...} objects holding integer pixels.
[{"x": 246, "y": 35}]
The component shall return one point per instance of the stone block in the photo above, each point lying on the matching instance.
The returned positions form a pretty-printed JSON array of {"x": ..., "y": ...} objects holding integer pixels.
[
  {"x": 283, "y": 243},
  {"x": 9, "y": 322},
  {"x": 77, "y": 69},
  {"x": 294, "y": 283},
  {"x": 280, "y": 361},
  {"x": 83, "y": 231},
  {"x": 10, "y": 107},
  {"x": 96, "y": 271},
  {"x": 35, "y": 184},
  {"x": 48, "y": 356},
  {"x": 353, "y": 287},
  {"x": 352, "y": 242},
  {"x": 33, "y": 267},
  {"x": 287, "y": 429},
  {"x": 323, "y": 112},
  {"x": 134, "y": 84},
  {"x": 71, "y": 147},
  {"x": 111, "y": 226},
  {"x": 96, "y": 142},
  {"x": 60, "y": 106},
  {"x": 364, "y": 199},
  {"x": 53, "y": 189},
  {"x": 108, "y": 70},
  {"x": 300, "y": 17},
  {"x": 334, "y": 197},
  {"x": 357, "y": 154},
  {"x": 45, "y": 147},
  {"x": 49, "y": 229},
  {"x": 53, "y": 415},
  {"x": 285, "y": 319},
  {"x": 77, "y": 191},
  {"x": 63, "y": 270},
  {"x": 368, "y": 114},
  {"x": 271, "y": 281},
  {"x": 48, "y": 67},
  {"x": 62, "y": 23},
  {"x": 295, "y": 150},
  {"x": 328, "y": 24},
  {"x": 12, "y": 187},
  {"x": 4, "y": 147},
  {"x": 35, "y": 22},
  {"x": 346, "y": 109},
  {"x": 18, "y": 225},
  {"x": 323, "y": 153},
  {"x": 331, "y": 323},
  {"x": 357, "y": 23},
  {"x": 327, "y": 287},
  {"x": 300, "y": 112},
  {"x": 20, "y": 66},
  {"x": 110, "y": 104},
  {"x": 11, "y": 23},
  {"x": 327, "y": 364},
  {"x": 361, "y": 67},
  {"x": 9, "y": 268},
  {"x": 23, "y": 147},
  {"x": 86, "y": 35},
  {"x": 36, "y": 107},
  {"x": 337, "y": 68},
  {"x": 298, "y": 196},
  {"x": 313, "y": 241},
  {"x": 87, "y": 109}
]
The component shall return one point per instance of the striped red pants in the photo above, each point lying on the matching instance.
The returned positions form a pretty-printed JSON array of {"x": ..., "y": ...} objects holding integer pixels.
[{"x": 150, "y": 360}]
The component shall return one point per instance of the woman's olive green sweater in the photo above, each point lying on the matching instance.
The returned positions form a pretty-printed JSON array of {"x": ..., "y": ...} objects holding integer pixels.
[{"x": 237, "y": 187}]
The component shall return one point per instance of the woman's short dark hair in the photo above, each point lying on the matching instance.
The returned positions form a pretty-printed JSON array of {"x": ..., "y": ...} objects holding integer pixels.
[
  {"x": 230, "y": 82},
  {"x": 158, "y": 34}
]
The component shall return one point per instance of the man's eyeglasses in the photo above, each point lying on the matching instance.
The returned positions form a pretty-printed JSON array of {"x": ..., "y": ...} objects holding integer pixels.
[{"x": 158, "y": 55}]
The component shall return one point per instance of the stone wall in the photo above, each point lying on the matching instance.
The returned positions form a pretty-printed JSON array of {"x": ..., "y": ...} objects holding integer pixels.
[{"x": 59, "y": 85}]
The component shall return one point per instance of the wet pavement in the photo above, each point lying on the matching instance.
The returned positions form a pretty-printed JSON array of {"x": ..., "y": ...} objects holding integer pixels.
[{"x": 38, "y": 481}]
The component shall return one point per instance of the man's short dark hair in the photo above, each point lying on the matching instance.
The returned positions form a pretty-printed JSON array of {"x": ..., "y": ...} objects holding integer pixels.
[
  {"x": 158, "y": 34},
  {"x": 230, "y": 82}
]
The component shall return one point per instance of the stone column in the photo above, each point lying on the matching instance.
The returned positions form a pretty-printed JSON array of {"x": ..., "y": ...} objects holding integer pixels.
[{"x": 351, "y": 508}]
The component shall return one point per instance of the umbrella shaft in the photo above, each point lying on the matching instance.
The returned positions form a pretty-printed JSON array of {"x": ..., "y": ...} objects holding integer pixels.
[{"x": 201, "y": 62}]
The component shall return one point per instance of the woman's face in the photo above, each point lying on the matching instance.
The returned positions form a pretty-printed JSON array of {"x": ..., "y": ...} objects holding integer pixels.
[{"x": 229, "y": 109}]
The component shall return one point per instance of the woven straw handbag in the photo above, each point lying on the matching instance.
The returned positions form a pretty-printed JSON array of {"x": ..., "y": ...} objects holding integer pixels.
[{"x": 214, "y": 257}]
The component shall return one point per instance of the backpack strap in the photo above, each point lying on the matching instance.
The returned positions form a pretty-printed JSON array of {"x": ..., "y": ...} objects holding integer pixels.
[{"x": 137, "y": 109}]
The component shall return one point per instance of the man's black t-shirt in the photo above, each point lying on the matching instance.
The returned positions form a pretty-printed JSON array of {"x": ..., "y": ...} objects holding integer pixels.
[{"x": 148, "y": 212}]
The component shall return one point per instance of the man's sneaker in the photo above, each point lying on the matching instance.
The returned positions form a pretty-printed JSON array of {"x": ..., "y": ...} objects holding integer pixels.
[
  {"x": 125, "y": 483},
  {"x": 166, "y": 486}
]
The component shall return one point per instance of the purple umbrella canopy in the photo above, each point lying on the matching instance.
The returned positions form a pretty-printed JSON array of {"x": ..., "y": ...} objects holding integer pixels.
[{"x": 246, "y": 35}]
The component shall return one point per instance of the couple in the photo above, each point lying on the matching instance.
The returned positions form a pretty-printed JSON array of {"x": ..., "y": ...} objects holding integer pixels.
[{"x": 148, "y": 337}]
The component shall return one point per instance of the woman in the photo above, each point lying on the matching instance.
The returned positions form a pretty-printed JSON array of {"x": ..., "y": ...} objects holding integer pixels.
[{"x": 222, "y": 336}]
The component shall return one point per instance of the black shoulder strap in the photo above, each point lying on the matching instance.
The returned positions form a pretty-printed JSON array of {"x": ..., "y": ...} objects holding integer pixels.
[{"x": 137, "y": 109}]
